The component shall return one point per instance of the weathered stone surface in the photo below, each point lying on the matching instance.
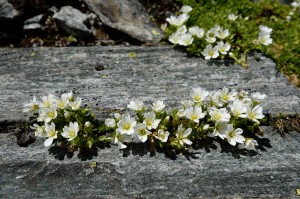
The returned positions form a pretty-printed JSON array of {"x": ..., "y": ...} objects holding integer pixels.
[
  {"x": 34, "y": 173},
  {"x": 156, "y": 73},
  {"x": 73, "y": 22},
  {"x": 127, "y": 16},
  {"x": 7, "y": 11},
  {"x": 107, "y": 78},
  {"x": 34, "y": 23}
]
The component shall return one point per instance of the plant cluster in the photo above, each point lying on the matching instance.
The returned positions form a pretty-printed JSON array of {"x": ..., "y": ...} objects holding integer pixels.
[
  {"x": 225, "y": 29},
  {"x": 62, "y": 120},
  {"x": 226, "y": 115}
]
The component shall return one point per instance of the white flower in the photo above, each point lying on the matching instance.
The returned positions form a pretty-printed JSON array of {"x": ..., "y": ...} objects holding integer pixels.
[
  {"x": 234, "y": 136},
  {"x": 265, "y": 39},
  {"x": 158, "y": 106},
  {"x": 47, "y": 101},
  {"x": 186, "y": 39},
  {"x": 210, "y": 39},
  {"x": 264, "y": 30},
  {"x": 227, "y": 96},
  {"x": 181, "y": 30},
  {"x": 182, "y": 135},
  {"x": 186, "y": 9},
  {"x": 187, "y": 103},
  {"x": 195, "y": 30},
  {"x": 238, "y": 109},
  {"x": 215, "y": 99},
  {"x": 222, "y": 34},
  {"x": 150, "y": 121},
  {"x": 163, "y": 26},
  {"x": 198, "y": 94},
  {"x": 223, "y": 48},
  {"x": 120, "y": 138},
  {"x": 232, "y": 17},
  {"x": 136, "y": 105},
  {"x": 118, "y": 116},
  {"x": 255, "y": 114},
  {"x": 70, "y": 96},
  {"x": 70, "y": 131},
  {"x": 126, "y": 125},
  {"x": 250, "y": 143},
  {"x": 142, "y": 132},
  {"x": 195, "y": 113},
  {"x": 258, "y": 97},
  {"x": 47, "y": 114},
  {"x": 295, "y": 4},
  {"x": 210, "y": 52},
  {"x": 219, "y": 115},
  {"x": 63, "y": 101},
  {"x": 174, "y": 38},
  {"x": 75, "y": 105},
  {"x": 181, "y": 113},
  {"x": 33, "y": 105},
  {"x": 178, "y": 21},
  {"x": 51, "y": 134},
  {"x": 110, "y": 122},
  {"x": 162, "y": 135},
  {"x": 39, "y": 131},
  {"x": 219, "y": 130}
]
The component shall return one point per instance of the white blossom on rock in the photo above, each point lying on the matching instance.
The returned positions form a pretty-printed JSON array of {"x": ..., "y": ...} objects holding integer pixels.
[
  {"x": 51, "y": 134},
  {"x": 158, "y": 106},
  {"x": 126, "y": 125},
  {"x": 150, "y": 121},
  {"x": 255, "y": 113},
  {"x": 162, "y": 135},
  {"x": 136, "y": 105},
  {"x": 182, "y": 135},
  {"x": 250, "y": 143},
  {"x": 210, "y": 52},
  {"x": 142, "y": 132},
  {"x": 219, "y": 115},
  {"x": 198, "y": 94},
  {"x": 186, "y": 39},
  {"x": 33, "y": 105},
  {"x": 70, "y": 131},
  {"x": 234, "y": 136},
  {"x": 195, "y": 113}
]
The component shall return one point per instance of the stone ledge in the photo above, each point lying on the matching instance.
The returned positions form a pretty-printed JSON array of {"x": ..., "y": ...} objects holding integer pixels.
[{"x": 156, "y": 73}]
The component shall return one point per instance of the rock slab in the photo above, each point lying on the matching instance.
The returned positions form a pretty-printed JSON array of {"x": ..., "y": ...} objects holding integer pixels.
[
  {"x": 127, "y": 16},
  {"x": 107, "y": 78}
]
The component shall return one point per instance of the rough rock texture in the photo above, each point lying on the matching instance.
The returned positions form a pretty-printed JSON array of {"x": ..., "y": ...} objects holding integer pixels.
[
  {"x": 34, "y": 23},
  {"x": 73, "y": 22},
  {"x": 33, "y": 172},
  {"x": 107, "y": 79},
  {"x": 127, "y": 16},
  {"x": 7, "y": 11}
]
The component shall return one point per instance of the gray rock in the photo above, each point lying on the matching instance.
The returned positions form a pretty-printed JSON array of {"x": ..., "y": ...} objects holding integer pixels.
[
  {"x": 107, "y": 79},
  {"x": 73, "y": 22},
  {"x": 36, "y": 19},
  {"x": 127, "y": 16},
  {"x": 36, "y": 172},
  {"x": 7, "y": 11},
  {"x": 155, "y": 73},
  {"x": 34, "y": 23}
]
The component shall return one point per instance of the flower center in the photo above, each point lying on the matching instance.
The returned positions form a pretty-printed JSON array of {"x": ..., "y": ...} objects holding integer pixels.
[
  {"x": 197, "y": 98},
  {"x": 194, "y": 116},
  {"x": 72, "y": 133},
  {"x": 231, "y": 134},
  {"x": 126, "y": 126},
  {"x": 217, "y": 116},
  {"x": 51, "y": 133},
  {"x": 50, "y": 114}
]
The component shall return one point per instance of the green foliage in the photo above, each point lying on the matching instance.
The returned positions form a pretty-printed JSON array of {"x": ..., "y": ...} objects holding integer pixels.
[{"x": 283, "y": 19}]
